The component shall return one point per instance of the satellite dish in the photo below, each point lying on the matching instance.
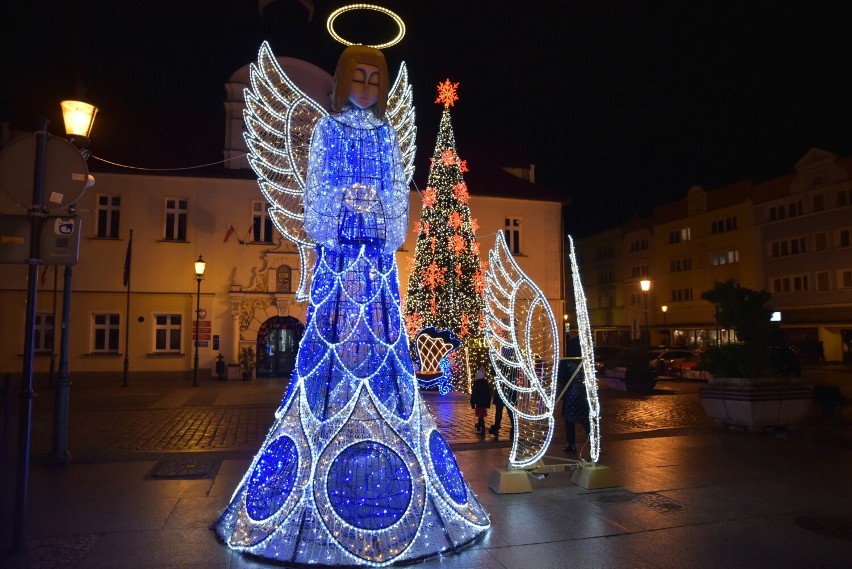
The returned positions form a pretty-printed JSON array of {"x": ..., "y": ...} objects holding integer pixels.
[{"x": 66, "y": 175}]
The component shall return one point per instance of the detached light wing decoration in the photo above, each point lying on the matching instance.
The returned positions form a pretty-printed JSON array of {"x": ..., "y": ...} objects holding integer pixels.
[
  {"x": 587, "y": 351},
  {"x": 524, "y": 350}
]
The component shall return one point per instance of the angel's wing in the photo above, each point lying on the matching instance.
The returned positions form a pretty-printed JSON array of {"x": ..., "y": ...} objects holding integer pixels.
[
  {"x": 400, "y": 115},
  {"x": 587, "y": 351},
  {"x": 524, "y": 351},
  {"x": 280, "y": 120}
]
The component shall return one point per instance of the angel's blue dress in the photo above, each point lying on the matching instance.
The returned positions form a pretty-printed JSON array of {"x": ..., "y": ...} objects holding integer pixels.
[{"x": 354, "y": 471}]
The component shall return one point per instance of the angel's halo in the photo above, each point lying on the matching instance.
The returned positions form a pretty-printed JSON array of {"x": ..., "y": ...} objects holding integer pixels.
[{"x": 333, "y": 16}]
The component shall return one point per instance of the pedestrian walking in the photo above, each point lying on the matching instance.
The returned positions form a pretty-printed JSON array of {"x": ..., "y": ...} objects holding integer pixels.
[
  {"x": 480, "y": 400},
  {"x": 499, "y": 405},
  {"x": 575, "y": 403}
]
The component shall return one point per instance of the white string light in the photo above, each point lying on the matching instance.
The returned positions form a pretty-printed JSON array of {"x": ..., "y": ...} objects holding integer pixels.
[
  {"x": 524, "y": 350},
  {"x": 587, "y": 351}
]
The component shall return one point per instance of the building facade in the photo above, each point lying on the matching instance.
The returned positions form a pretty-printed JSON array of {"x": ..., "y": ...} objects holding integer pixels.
[
  {"x": 247, "y": 293},
  {"x": 789, "y": 235}
]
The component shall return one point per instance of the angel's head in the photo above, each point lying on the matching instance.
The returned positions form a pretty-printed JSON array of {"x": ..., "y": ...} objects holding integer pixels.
[{"x": 357, "y": 67}]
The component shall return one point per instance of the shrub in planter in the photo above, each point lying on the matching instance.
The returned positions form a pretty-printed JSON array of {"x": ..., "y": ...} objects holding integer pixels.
[
  {"x": 247, "y": 362},
  {"x": 745, "y": 391}
]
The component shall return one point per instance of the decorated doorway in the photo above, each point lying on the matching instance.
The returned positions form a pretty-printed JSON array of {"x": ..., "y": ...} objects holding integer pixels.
[{"x": 277, "y": 343}]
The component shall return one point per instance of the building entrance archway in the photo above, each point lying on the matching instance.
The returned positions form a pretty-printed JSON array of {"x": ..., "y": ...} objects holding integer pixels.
[{"x": 277, "y": 344}]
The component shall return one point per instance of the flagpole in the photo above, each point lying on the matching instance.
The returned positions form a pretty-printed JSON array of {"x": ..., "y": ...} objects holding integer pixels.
[{"x": 127, "y": 311}]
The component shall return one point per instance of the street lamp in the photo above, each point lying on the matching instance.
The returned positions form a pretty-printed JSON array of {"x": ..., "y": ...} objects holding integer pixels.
[
  {"x": 666, "y": 334},
  {"x": 665, "y": 309},
  {"x": 566, "y": 327},
  {"x": 646, "y": 286},
  {"x": 200, "y": 265},
  {"x": 78, "y": 132}
]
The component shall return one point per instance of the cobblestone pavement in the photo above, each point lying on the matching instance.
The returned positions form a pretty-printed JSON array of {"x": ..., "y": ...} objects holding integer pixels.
[{"x": 107, "y": 421}]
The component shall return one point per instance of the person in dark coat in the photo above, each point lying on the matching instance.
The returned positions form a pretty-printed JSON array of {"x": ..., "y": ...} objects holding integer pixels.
[
  {"x": 575, "y": 404},
  {"x": 494, "y": 429},
  {"x": 480, "y": 400}
]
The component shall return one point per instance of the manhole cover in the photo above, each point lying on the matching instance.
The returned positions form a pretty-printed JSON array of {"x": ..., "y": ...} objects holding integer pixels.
[
  {"x": 661, "y": 503},
  {"x": 838, "y": 527},
  {"x": 184, "y": 467}
]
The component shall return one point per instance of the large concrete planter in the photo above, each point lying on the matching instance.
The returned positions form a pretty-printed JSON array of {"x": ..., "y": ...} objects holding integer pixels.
[{"x": 755, "y": 403}]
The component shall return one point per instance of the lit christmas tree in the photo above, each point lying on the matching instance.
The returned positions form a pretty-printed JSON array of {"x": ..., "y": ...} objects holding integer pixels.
[{"x": 447, "y": 280}]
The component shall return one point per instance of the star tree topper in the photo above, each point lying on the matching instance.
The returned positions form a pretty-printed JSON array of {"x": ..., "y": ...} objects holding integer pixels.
[{"x": 447, "y": 93}]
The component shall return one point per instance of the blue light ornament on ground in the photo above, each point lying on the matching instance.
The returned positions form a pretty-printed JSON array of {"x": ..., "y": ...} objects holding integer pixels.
[{"x": 353, "y": 471}]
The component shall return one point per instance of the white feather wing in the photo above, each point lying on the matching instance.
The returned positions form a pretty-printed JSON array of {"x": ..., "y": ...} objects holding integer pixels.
[
  {"x": 280, "y": 120},
  {"x": 400, "y": 115},
  {"x": 524, "y": 351}
]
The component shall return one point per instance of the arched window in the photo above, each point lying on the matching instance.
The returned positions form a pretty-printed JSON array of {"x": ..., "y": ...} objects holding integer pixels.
[{"x": 282, "y": 278}]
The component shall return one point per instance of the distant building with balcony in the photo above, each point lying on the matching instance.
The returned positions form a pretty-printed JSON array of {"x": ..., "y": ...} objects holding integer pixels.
[{"x": 791, "y": 236}]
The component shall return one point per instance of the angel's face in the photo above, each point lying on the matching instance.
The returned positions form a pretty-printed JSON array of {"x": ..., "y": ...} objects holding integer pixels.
[{"x": 365, "y": 86}]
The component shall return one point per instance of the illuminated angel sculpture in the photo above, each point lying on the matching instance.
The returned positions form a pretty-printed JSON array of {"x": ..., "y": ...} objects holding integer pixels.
[{"x": 353, "y": 471}]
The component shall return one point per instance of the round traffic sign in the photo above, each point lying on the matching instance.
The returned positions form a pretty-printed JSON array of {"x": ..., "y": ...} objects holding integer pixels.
[{"x": 66, "y": 175}]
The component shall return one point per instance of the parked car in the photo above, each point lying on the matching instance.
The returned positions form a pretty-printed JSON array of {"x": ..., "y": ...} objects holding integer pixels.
[
  {"x": 603, "y": 357},
  {"x": 678, "y": 368},
  {"x": 662, "y": 359}
]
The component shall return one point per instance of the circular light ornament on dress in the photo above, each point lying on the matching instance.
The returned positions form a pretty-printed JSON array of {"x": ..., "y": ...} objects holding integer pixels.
[{"x": 333, "y": 16}]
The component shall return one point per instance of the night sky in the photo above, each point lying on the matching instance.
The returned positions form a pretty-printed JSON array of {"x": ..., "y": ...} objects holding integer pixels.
[{"x": 622, "y": 105}]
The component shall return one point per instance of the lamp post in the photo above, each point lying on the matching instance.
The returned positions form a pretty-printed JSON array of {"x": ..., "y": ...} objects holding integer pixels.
[
  {"x": 200, "y": 265},
  {"x": 79, "y": 118},
  {"x": 665, "y": 309},
  {"x": 646, "y": 286},
  {"x": 566, "y": 327}
]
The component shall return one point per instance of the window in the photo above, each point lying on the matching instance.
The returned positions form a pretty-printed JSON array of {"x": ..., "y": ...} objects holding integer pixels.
[
  {"x": 723, "y": 225},
  {"x": 725, "y": 257},
  {"x": 792, "y": 209},
  {"x": 606, "y": 252},
  {"x": 109, "y": 212},
  {"x": 844, "y": 197},
  {"x": 44, "y": 333},
  {"x": 640, "y": 271},
  {"x": 167, "y": 332},
  {"x": 175, "y": 220},
  {"x": 680, "y": 235},
  {"x": 105, "y": 332},
  {"x": 605, "y": 277},
  {"x": 261, "y": 223},
  {"x": 681, "y": 294},
  {"x": 282, "y": 278},
  {"x": 604, "y": 300},
  {"x": 677, "y": 265},
  {"x": 819, "y": 202},
  {"x": 820, "y": 242},
  {"x": 846, "y": 279},
  {"x": 513, "y": 235},
  {"x": 638, "y": 245},
  {"x": 636, "y": 298},
  {"x": 822, "y": 281},
  {"x": 844, "y": 238},
  {"x": 795, "y": 283},
  {"x": 795, "y": 246}
]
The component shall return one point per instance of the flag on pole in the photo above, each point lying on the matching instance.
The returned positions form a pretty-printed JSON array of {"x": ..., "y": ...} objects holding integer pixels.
[
  {"x": 229, "y": 232},
  {"x": 127, "y": 259}
]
